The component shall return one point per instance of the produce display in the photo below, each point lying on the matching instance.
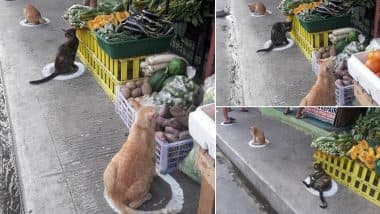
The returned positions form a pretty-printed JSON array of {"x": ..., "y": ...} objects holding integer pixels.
[
  {"x": 362, "y": 143},
  {"x": 192, "y": 11},
  {"x": 287, "y": 6},
  {"x": 365, "y": 153},
  {"x": 78, "y": 15},
  {"x": 373, "y": 62},
  {"x": 136, "y": 88},
  {"x": 110, "y": 33},
  {"x": 179, "y": 91},
  {"x": 172, "y": 123},
  {"x": 335, "y": 144}
]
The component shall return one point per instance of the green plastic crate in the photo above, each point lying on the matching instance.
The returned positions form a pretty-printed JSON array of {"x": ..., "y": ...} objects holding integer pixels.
[
  {"x": 133, "y": 48},
  {"x": 325, "y": 24}
]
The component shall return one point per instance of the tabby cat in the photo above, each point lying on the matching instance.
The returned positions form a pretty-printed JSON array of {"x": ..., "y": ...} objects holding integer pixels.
[
  {"x": 278, "y": 35},
  {"x": 65, "y": 58},
  {"x": 319, "y": 181},
  {"x": 128, "y": 176}
]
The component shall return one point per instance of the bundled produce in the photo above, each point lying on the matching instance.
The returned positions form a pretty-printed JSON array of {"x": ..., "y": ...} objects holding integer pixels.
[
  {"x": 148, "y": 24},
  {"x": 365, "y": 153},
  {"x": 101, "y": 20},
  {"x": 287, "y": 6},
  {"x": 78, "y": 15},
  {"x": 191, "y": 11},
  {"x": 111, "y": 33},
  {"x": 373, "y": 62},
  {"x": 342, "y": 77},
  {"x": 136, "y": 88},
  {"x": 330, "y": 8},
  {"x": 160, "y": 61},
  {"x": 343, "y": 36},
  {"x": 179, "y": 91},
  {"x": 172, "y": 123},
  {"x": 334, "y": 144},
  {"x": 364, "y": 125},
  {"x": 323, "y": 53},
  {"x": 352, "y": 48}
]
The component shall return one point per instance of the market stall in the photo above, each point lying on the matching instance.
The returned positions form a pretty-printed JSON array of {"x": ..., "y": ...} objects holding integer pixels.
[
  {"x": 161, "y": 54},
  {"x": 352, "y": 157},
  {"x": 342, "y": 31}
]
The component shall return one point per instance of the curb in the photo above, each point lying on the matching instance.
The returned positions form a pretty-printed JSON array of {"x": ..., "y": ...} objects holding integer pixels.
[
  {"x": 301, "y": 125},
  {"x": 254, "y": 178}
]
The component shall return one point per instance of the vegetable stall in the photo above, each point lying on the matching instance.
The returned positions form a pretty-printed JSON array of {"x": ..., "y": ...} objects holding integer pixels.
[
  {"x": 347, "y": 32},
  {"x": 352, "y": 157},
  {"x": 155, "y": 52}
]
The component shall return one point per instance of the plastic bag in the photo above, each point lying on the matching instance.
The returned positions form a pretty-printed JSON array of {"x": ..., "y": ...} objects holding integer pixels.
[{"x": 188, "y": 166}]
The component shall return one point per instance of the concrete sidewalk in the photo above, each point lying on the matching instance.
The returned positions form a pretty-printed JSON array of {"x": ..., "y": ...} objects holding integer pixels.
[
  {"x": 267, "y": 79},
  {"x": 277, "y": 170},
  {"x": 65, "y": 132}
]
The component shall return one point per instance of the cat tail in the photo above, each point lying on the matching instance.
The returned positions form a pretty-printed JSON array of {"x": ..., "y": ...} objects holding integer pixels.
[
  {"x": 266, "y": 49},
  {"x": 324, "y": 203},
  {"x": 50, "y": 77}
]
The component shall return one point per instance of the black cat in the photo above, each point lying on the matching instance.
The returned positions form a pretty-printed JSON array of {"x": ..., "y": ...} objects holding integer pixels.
[
  {"x": 278, "y": 35},
  {"x": 319, "y": 181},
  {"x": 65, "y": 58}
]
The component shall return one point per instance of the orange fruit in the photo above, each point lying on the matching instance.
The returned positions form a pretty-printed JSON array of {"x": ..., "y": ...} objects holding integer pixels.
[
  {"x": 373, "y": 65},
  {"x": 374, "y": 55}
]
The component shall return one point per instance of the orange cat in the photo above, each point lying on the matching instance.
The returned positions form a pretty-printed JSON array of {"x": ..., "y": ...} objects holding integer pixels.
[
  {"x": 32, "y": 15},
  {"x": 257, "y": 134},
  {"x": 257, "y": 7},
  {"x": 128, "y": 177},
  {"x": 323, "y": 91}
]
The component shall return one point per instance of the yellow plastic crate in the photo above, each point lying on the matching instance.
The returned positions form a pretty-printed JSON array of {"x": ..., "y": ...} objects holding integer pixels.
[
  {"x": 307, "y": 42},
  {"x": 352, "y": 174},
  {"x": 108, "y": 72}
]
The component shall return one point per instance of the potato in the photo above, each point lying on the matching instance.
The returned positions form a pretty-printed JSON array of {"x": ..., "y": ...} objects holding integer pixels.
[
  {"x": 137, "y": 92},
  {"x": 184, "y": 135},
  {"x": 125, "y": 91},
  {"x": 325, "y": 55},
  {"x": 161, "y": 136},
  {"x": 131, "y": 84},
  {"x": 347, "y": 82},
  {"x": 321, "y": 50},
  {"x": 171, "y": 130},
  {"x": 173, "y": 122},
  {"x": 332, "y": 51},
  {"x": 146, "y": 79},
  {"x": 171, "y": 137},
  {"x": 161, "y": 121},
  {"x": 164, "y": 111},
  {"x": 339, "y": 82},
  {"x": 139, "y": 83},
  {"x": 146, "y": 88}
]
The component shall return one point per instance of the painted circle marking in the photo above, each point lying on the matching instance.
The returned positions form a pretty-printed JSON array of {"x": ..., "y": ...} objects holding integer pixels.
[
  {"x": 49, "y": 69},
  {"x": 269, "y": 42}
]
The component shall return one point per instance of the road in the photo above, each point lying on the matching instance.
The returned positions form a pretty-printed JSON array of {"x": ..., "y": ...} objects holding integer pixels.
[
  {"x": 246, "y": 78},
  {"x": 232, "y": 187}
]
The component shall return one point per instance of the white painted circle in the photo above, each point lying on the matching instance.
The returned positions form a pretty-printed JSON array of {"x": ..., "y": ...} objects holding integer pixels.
[
  {"x": 332, "y": 191},
  {"x": 259, "y": 15},
  {"x": 49, "y": 69},
  {"x": 176, "y": 202},
  {"x": 25, "y": 24},
  {"x": 253, "y": 145},
  {"x": 269, "y": 42}
]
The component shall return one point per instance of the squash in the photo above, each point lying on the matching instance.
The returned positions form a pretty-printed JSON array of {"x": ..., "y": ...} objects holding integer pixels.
[{"x": 157, "y": 80}]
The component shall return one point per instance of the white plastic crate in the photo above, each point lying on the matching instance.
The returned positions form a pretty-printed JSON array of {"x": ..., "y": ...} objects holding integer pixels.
[
  {"x": 366, "y": 78},
  {"x": 168, "y": 155},
  {"x": 344, "y": 95},
  {"x": 124, "y": 109}
]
